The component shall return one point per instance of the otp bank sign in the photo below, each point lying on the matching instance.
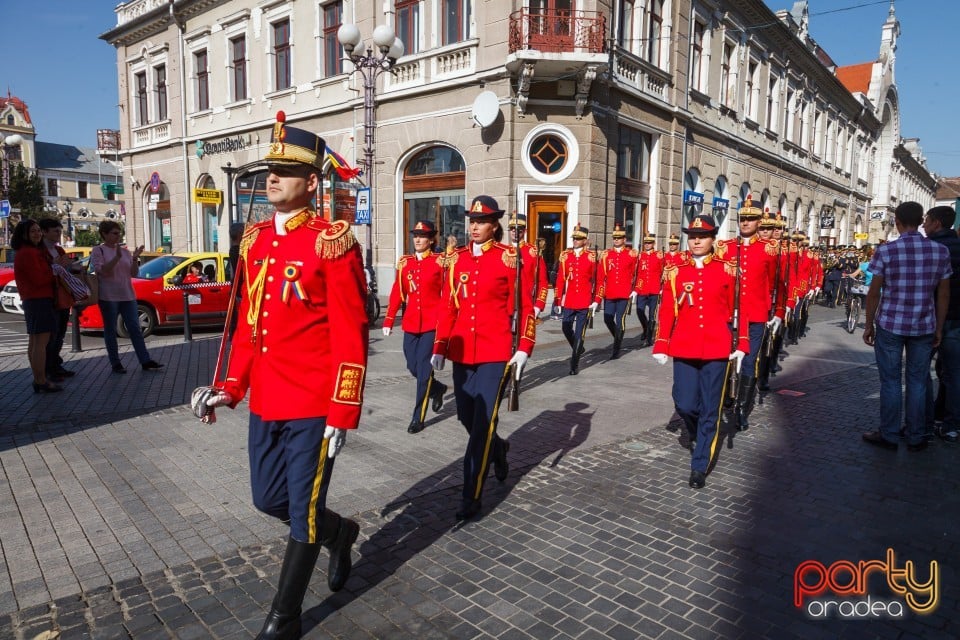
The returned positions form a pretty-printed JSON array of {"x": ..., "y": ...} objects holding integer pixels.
[{"x": 841, "y": 589}]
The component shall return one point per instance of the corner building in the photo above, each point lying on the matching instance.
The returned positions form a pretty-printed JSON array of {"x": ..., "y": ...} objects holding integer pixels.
[{"x": 644, "y": 112}]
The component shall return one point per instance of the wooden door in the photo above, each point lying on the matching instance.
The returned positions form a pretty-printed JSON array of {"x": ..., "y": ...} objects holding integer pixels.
[{"x": 546, "y": 228}]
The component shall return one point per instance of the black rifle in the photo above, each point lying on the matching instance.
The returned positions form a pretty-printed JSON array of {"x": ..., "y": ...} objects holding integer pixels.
[
  {"x": 734, "y": 379},
  {"x": 593, "y": 285},
  {"x": 513, "y": 403}
]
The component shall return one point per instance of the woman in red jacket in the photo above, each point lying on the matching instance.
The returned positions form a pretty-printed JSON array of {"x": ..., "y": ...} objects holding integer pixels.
[{"x": 37, "y": 286}]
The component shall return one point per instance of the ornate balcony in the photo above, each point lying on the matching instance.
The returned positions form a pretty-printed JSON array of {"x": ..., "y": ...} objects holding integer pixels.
[{"x": 547, "y": 45}]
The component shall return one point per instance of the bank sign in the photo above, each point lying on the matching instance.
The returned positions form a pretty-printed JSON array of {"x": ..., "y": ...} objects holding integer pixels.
[{"x": 227, "y": 145}]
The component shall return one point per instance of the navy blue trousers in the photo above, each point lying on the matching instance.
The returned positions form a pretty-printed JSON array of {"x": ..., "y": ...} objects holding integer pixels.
[
  {"x": 749, "y": 366},
  {"x": 290, "y": 472},
  {"x": 614, "y": 316},
  {"x": 698, "y": 387},
  {"x": 478, "y": 389},
  {"x": 574, "y": 326},
  {"x": 417, "y": 349},
  {"x": 646, "y": 307}
]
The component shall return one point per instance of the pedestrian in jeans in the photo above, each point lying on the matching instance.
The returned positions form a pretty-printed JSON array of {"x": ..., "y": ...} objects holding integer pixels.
[
  {"x": 910, "y": 271},
  {"x": 115, "y": 266},
  {"x": 938, "y": 225}
]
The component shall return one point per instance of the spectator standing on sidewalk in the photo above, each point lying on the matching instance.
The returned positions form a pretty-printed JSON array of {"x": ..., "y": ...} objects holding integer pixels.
[
  {"x": 913, "y": 274},
  {"x": 938, "y": 225},
  {"x": 52, "y": 229},
  {"x": 300, "y": 349},
  {"x": 115, "y": 267}
]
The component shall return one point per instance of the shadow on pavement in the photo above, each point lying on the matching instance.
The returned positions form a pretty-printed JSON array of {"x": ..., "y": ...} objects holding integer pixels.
[{"x": 424, "y": 513}]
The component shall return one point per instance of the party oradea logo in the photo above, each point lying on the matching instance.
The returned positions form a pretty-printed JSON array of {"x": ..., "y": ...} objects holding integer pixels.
[{"x": 865, "y": 590}]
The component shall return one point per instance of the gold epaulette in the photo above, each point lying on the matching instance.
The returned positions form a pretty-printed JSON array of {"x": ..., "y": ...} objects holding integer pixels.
[
  {"x": 660, "y": 254},
  {"x": 730, "y": 266},
  {"x": 603, "y": 254},
  {"x": 250, "y": 236},
  {"x": 591, "y": 255},
  {"x": 771, "y": 247},
  {"x": 450, "y": 257},
  {"x": 441, "y": 260},
  {"x": 564, "y": 255},
  {"x": 509, "y": 255},
  {"x": 721, "y": 248},
  {"x": 335, "y": 238},
  {"x": 634, "y": 253},
  {"x": 402, "y": 261}
]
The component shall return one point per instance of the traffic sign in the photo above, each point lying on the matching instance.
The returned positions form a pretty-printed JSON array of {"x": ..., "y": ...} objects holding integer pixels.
[
  {"x": 4, "y": 208},
  {"x": 154, "y": 182},
  {"x": 363, "y": 206}
]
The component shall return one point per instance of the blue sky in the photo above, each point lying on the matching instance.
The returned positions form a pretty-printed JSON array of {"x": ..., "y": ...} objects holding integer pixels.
[{"x": 67, "y": 76}]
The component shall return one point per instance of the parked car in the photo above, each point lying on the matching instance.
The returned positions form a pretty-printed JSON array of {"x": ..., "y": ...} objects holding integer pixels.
[
  {"x": 10, "y": 298},
  {"x": 160, "y": 301}
]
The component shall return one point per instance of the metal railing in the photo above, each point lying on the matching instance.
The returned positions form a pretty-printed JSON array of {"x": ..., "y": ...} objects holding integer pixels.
[{"x": 557, "y": 31}]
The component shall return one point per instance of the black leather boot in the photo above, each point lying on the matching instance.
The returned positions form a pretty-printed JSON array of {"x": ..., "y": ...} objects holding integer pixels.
[
  {"x": 745, "y": 398},
  {"x": 338, "y": 536},
  {"x": 283, "y": 621}
]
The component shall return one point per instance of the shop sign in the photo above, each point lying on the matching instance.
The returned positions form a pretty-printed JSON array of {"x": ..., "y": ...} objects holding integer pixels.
[{"x": 208, "y": 196}]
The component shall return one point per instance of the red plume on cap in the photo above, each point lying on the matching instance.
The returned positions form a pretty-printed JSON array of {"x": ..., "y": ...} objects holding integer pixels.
[{"x": 281, "y": 116}]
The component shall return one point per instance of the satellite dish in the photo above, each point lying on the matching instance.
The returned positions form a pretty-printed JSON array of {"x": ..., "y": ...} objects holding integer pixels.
[{"x": 486, "y": 108}]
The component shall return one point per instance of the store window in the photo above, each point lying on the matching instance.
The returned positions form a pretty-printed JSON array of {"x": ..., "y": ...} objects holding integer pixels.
[
  {"x": 434, "y": 189},
  {"x": 210, "y": 217},
  {"x": 161, "y": 225}
]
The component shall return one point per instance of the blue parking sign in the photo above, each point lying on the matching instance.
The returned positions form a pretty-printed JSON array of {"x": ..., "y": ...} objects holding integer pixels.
[{"x": 4, "y": 208}]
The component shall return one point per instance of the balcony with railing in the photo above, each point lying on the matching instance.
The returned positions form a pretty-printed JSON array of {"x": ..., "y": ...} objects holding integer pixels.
[{"x": 549, "y": 44}]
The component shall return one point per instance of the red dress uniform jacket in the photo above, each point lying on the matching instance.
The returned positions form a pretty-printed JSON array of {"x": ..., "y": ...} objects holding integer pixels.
[
  {"x": 696, "y": 310},
  {"x": 34, "y": 273},
  {"x": 758, "y": 268},
  {"x": 650, "y": 273},
  {"x": 300, "y": 346},
  {"x": 800, "y": 273},
  {"x": 576, "y": 278},
  {"x": 535, "y": 270},
  {"x": 618, "y": 269},
  {"x": 476, "y": 323},
  {"x": 676, "y": 258},
  {"x": 419, "y": 284}
]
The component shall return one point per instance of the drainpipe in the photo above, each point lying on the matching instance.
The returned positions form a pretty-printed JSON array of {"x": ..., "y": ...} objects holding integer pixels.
[{"x": 181, "y": 26}]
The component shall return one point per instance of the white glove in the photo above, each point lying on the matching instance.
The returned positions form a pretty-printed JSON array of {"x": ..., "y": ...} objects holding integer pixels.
[
  {"x": 204, "y": 400},
  {"x": 518, "y": 361},
  {"x": 633, "y": 296},
  {"x": 661, "y": 358},
  {"x": 811, "y": 293},
  {"x": 738, "y": 356},
  {"x": 816, "y": 291},
  {"x": 536, "y": 312},
  {"x": 337, "y": 438},
  {"x": 774, "y": 323},
  {"x": 437, "y": 361},
  {"x": 387, "y": 331},
  {"x": 558, "y": 309},
  {"x": 593, "y": 306}
]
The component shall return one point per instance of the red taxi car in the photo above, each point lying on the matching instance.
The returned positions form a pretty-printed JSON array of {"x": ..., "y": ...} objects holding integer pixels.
[{"x": 160, "y": 295}]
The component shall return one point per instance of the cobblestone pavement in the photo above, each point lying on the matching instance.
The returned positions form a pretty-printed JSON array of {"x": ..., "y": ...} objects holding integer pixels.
[{"x": 121, "y": 516}]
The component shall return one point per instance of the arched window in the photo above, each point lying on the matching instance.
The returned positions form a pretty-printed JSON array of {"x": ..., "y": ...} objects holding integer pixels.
[
  {"x": 764, "y": 203},
  {"x": 744, "y": 194},
  {"x": 797, "y": 215},
  {"x": 434, "y": 189},
  {"x": 161, "y": 224},
  {"x": 693, "y": 195},
  {"x": 721, "y": 200},
  {"x": 210, "y": 217}
]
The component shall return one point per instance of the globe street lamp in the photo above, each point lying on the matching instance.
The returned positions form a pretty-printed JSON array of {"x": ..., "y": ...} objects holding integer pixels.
[
  {"x": 370, "y": 66},
  {"x": 13, "y": 140},
  {"x": 67, "y": 206}
]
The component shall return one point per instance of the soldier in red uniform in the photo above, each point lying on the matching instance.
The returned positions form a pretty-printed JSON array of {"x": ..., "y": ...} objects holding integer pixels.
[
  {"x": 576, "y": 280},
  {"x": 476, "y": 331},
  {"x": 770, "y": 231},
  {"x": 419, "y": 287},
  {"x": 300, "y": 350},
  {"x": 757, "y": 265},
  {"x": 647, "y": 286},
  {"x": 673, "y": 254},
  {"x": 694, "y": 329},
  {"x": 534, "y": 267},
  {"x": 616, "y": 278}
]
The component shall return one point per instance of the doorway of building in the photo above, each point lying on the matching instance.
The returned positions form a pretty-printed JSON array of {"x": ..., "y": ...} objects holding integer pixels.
[{"x": 546, "y": 228}]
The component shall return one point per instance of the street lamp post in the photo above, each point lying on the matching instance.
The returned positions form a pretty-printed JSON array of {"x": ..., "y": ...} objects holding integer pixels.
[
  {"x": 13, "y": 140},
  {"x": 370, "y": 66},
  {"x": 67, "y": 206}
]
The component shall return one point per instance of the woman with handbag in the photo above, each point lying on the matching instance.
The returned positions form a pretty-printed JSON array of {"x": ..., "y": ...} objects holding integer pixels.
[
  {"x": 115, "y": 267},
  {"x": 36, "y": 283},
  {"x": 63, "y": 301}
]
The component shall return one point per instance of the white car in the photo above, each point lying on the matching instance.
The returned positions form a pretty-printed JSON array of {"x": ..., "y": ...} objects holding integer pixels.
[{"x": 10, "y": 298}]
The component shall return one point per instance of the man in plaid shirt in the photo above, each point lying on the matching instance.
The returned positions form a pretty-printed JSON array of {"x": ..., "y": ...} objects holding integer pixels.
[{"x": 913, "y": 273}]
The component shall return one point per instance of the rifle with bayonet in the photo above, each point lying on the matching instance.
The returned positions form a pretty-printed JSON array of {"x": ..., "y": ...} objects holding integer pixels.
[
  {"x": 593, "y": 284},
  {"x": 733, "y": 381},
  {"x": 513, "y": 402}
]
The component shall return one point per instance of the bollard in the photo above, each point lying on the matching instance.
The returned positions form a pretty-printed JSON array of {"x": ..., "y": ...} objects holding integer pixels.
[
  {"x": 187, "y": 333},
  {"x": 75, "y": 330}
]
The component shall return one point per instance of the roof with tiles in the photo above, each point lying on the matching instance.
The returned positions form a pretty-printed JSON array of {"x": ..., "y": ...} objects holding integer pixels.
[{"x": 856, "y": 77}]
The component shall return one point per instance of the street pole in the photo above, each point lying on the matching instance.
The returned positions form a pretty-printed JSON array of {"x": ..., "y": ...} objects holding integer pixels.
[
  {"x": 9, "y": 141},
  {"x": 230, "y": 171},
  {"x": 370, "y": 66}
]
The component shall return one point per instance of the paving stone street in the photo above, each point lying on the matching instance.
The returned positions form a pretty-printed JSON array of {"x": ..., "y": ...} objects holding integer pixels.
[{"x": 121, "y": 516}]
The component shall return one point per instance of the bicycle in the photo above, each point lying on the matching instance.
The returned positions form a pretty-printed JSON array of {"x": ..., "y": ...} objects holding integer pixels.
[{"x": 856, "y": 296}]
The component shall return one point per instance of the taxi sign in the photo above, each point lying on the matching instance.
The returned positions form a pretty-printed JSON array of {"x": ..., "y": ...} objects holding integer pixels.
[
  {"x": 208, "y": 196},
  {"x": 363, "y": 206}
]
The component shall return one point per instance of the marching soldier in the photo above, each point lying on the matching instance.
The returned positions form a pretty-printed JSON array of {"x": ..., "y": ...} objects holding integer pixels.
[
  {"x": 575, "y": 283},
  {"x": 649, "y": 280},
  {"x": 534, "y": 267},
  {"x": 618, "y": 271},
  {"x": 756, "y": 264},
  {"x": 300, "y": 349},
  {"x": 771, "y": 228},
  {"x": 418, "y": 286},
  {"x": 694, "y": 329},
  {"x": 673, "y": 255},
  {"x": 483, "y": 317}
]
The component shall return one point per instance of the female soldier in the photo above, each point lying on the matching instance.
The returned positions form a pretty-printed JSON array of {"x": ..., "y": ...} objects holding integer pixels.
[
  {"x": 476, "y": 331},
  {"x": 693, "y": 327},
  {"x": 418, "y": 286}
]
